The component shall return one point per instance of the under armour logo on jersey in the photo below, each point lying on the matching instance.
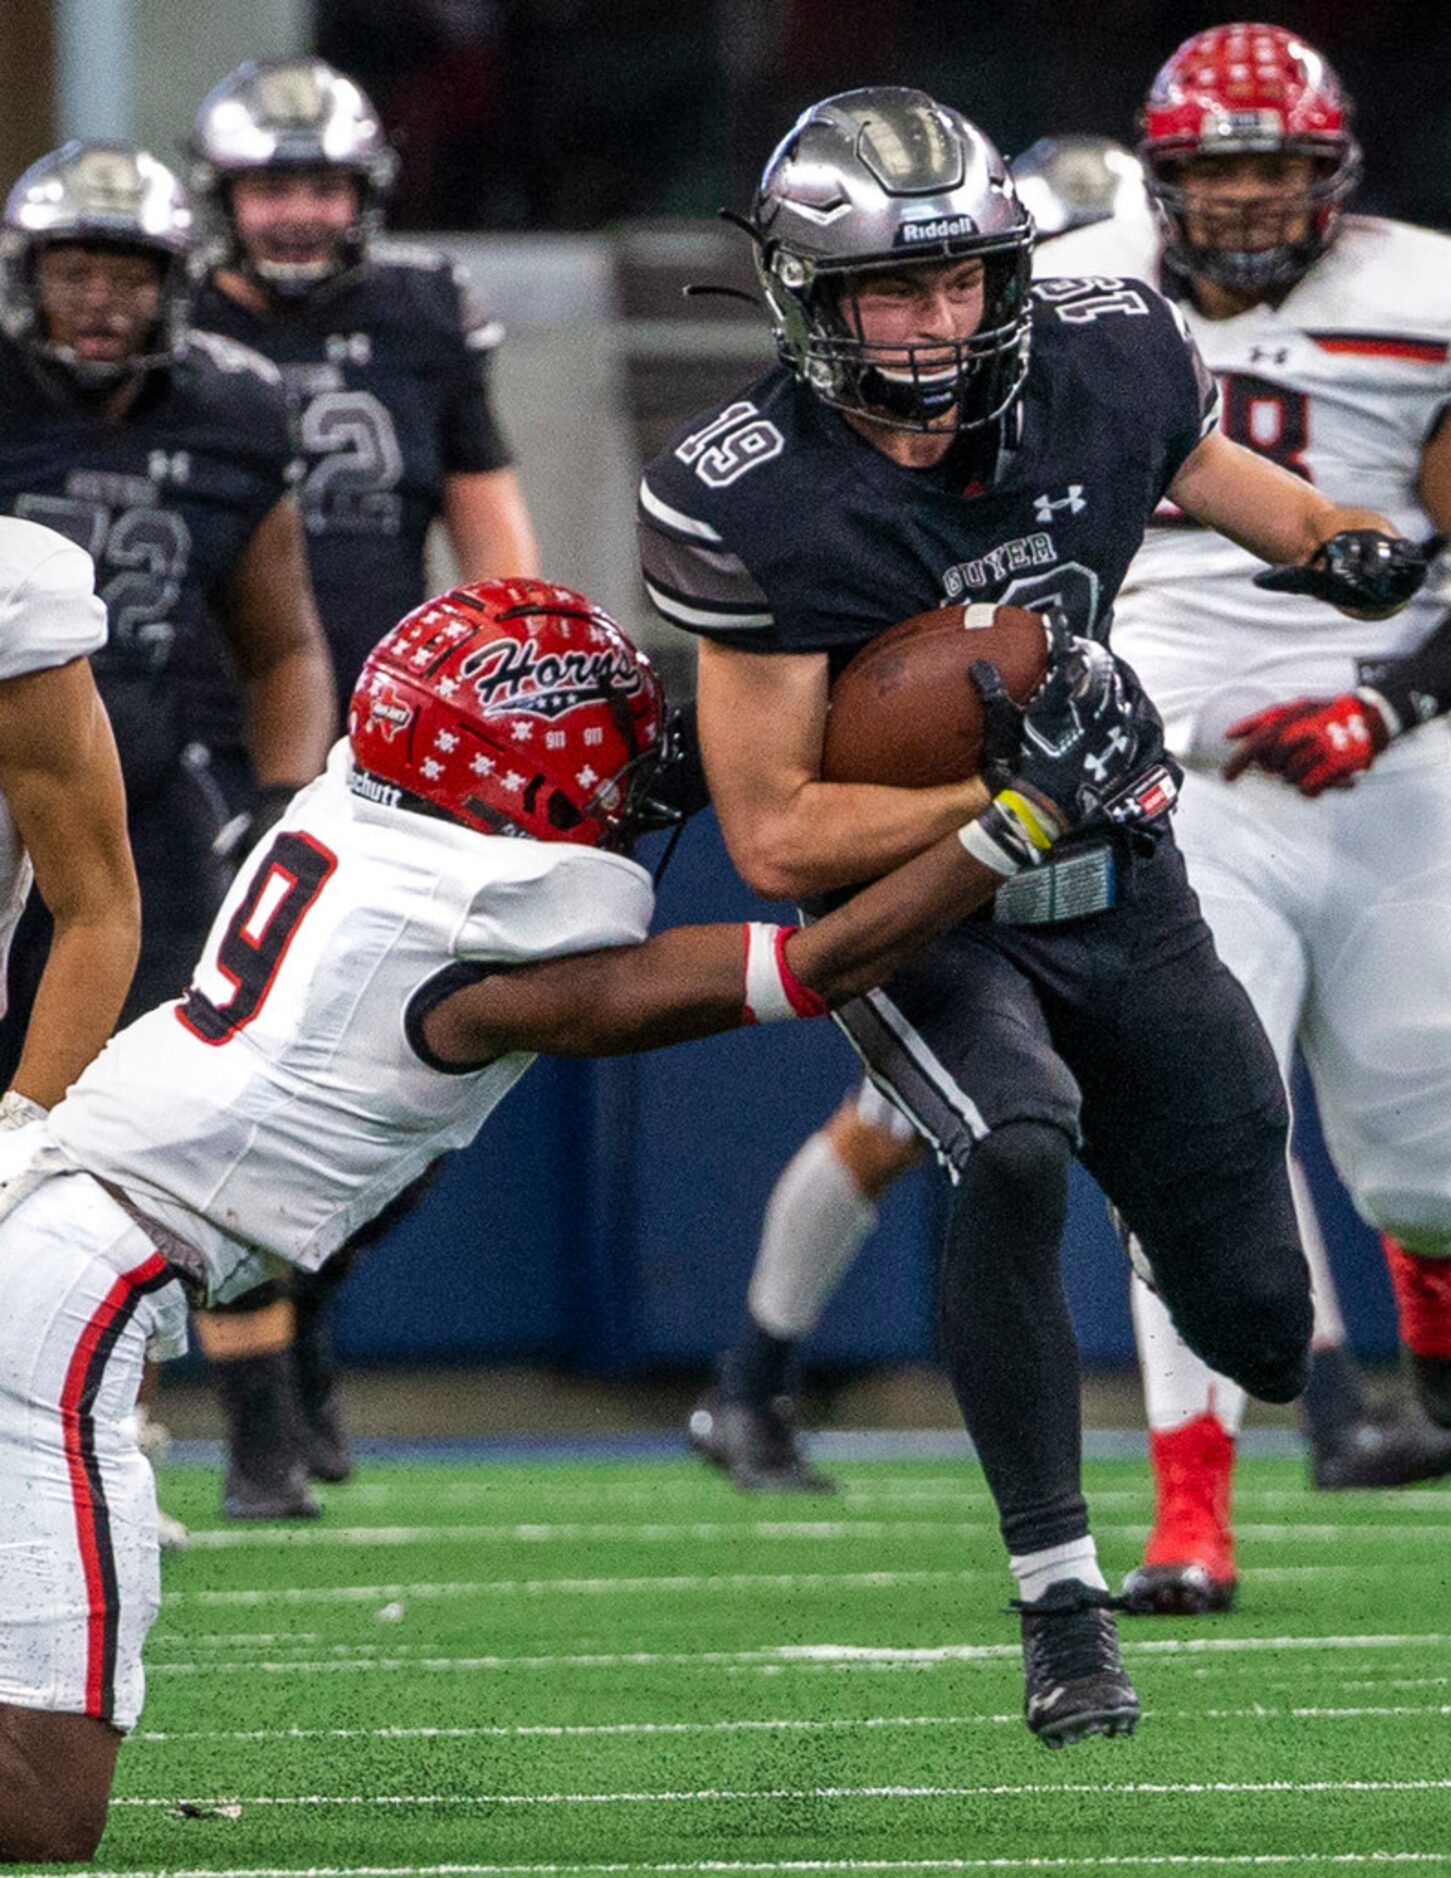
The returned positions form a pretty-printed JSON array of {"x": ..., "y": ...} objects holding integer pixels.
[
  {"x": 1100, "y": 762},
  {"x": 350, "y": 348},
  {"x": 169, "y": 466},
  {"x": 1044, "y": 508},
  {"x": 1268, "y": 355}
]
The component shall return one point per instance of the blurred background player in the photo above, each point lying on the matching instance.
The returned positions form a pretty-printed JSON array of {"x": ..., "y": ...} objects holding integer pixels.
[
  {"x": 167, "y": 455},
  {"x": 1331, "y": 339},
  {"x": 824, "y": 1205},
  {"x": 447, "y": 900},
  {"x": 387, "y": 360}
]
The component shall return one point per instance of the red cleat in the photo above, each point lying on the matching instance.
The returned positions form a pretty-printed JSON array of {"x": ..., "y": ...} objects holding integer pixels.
[
  {"x": 1422, "y": 1289},
  {"x": 1188, "y": 1566}
]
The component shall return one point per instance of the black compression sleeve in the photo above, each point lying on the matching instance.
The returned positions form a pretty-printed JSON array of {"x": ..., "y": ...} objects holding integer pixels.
[{"x": 1418, "y": 686}]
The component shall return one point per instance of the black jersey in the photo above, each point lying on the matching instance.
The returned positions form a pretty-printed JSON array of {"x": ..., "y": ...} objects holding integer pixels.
[
  {"x": 164, "y": 500},
  {"x": 388, "y": 370},
  {"x": 773, "y": 526}
]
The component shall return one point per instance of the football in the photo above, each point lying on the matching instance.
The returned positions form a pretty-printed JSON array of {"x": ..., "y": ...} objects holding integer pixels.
[{"x": 905, "y": 711}]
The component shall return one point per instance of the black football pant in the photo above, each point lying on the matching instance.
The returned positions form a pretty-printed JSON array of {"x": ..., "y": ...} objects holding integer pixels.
[{"x": 1123, "y": 1036}]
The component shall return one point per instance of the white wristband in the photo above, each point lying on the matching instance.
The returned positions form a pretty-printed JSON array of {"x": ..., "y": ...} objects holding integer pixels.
[
  {"x": 18, "y": 1111},
  {"x": 982, "y": 847},
  {"x": 773, "y": 991}
]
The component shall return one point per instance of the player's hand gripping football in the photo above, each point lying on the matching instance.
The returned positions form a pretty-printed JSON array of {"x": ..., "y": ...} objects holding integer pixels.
[
  {"x": 1087, "y": 747},
  {"x": 1314, "y": 743},
  {"x": 1363, "y": 572}
]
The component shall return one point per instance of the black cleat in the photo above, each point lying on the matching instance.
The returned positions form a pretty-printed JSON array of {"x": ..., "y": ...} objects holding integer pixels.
[
  {"x": 325, "y": 1438},
  {"x": 1370, "y": 1453},
  {"x": 1185, "y": 1590},
  {"x": 270, "y": 1492},
  {"x": 1074, "y": 1682},
  {"x": 757, "y": 1447},
  {"x": 266, "y": 1471}
]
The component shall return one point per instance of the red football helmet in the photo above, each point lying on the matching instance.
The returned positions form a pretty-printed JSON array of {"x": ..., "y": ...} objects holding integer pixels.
[
  {"x": 514, "y": 707},
  {"x": 1249, "y": 90}
]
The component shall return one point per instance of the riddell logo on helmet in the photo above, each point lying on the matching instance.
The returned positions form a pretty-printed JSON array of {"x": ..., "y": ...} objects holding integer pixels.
[
  {"x": 514, "y": 675},
  {"x": 945, "y": 228}
]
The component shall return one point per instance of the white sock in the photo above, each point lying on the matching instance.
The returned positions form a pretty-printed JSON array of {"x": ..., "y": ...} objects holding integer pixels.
[
  {"x": 1329, "y": 1324},
  {"x": 1178, "y": 1385},
  {"x": 1036, "y": 1571},
  {"x": 816, "y": 1221}
]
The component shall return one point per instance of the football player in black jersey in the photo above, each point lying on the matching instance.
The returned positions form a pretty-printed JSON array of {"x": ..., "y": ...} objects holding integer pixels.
[
  {"x": 940, "y": 431},
  {"x": 387, "y": 361},
  {"x": 168, "y": 456}
]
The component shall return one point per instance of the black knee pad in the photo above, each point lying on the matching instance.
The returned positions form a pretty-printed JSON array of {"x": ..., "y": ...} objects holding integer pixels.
[
  {"x": 1023, "y": 1158},
  {"x": 1248, "y": 1314}
]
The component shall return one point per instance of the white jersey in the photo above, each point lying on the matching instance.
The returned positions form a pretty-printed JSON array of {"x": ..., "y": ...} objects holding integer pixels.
[
  {"x": 49, "y": 615},
  {"x": 283, "y": 1102},
  {"x": 1343, "y": 382}
]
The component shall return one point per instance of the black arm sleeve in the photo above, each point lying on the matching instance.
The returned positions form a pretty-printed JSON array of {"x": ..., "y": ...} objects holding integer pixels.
[{"x": 1418, "y": 686}]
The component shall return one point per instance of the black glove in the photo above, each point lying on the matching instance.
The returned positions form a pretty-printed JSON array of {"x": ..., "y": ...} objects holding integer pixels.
[
  {"x": 1359, "y": 570},
  {"x": 1090, "y": 748}
]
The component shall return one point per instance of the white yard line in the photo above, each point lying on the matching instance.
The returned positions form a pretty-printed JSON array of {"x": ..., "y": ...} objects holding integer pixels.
[
  {"x": 712, "y": 1532},
  {"x": 587, "y": 1587},
  {"x": 680, "y": 1583},
  {"x": 1124, "y": 1861},
  {"x": 710, "y": 1796},
  {"x": 866, "y": 1724},
  {"x": 399, "y": 1657}
]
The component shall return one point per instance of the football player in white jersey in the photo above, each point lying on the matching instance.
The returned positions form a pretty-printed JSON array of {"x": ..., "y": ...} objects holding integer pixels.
[
  {"x": 1330, "y": 335},
  {"x": 62, "y": 813},
  {"x": 452, "y": 896}
]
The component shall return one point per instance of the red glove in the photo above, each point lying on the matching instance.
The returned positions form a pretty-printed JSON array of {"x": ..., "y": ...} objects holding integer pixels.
[{"x": 1315, "y": 743}]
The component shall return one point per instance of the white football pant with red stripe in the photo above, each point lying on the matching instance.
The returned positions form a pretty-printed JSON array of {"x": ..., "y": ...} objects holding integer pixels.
[{"x": 87, "y": 1297}]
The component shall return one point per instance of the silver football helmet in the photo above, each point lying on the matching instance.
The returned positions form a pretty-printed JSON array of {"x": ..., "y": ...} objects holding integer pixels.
[
  {"x": 882, "y": 179},
  {"x": 103, "y": 194},
  {"x": 1075, "y": 181},
  {"x": 291, "y": 114}
]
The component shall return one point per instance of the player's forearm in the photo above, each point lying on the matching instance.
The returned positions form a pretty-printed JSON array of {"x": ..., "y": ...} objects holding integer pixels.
[
  {"x": 290, "y": 717},
  {"x": 695, "y": 981},
  {"x": 865, "y": 942},
  {"x": 829, "y": 835},
  {"x": 1276, "y": 515},
  {"x": 86, "y": 978}
]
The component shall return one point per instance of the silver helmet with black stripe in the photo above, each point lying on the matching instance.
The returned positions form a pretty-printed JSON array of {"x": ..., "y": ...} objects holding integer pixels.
[{"x": 882, "y": 179}]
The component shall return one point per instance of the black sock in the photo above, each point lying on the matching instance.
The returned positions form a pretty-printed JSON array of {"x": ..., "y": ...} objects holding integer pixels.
[
  {"x": 256, "y": 1394},
  {"x": 1333, "y": 1396},
  {"x": 1007, "y": 1340},
  {"x": 758, "y": 1367},
  {"x": 313, "y": 1367}
]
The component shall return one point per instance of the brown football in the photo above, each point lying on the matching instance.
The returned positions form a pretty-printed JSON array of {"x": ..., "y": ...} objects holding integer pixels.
[{"x": 905, "y": 711}]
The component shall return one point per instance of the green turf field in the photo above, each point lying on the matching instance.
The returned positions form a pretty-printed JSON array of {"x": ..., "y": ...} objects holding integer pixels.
[{"x": 627, "y": 1667}]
